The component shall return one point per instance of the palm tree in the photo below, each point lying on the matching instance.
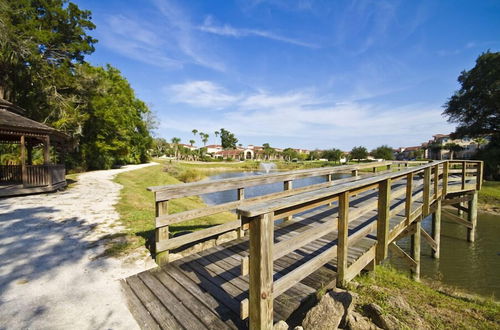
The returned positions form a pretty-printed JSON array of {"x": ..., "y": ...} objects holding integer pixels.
[
  {"x": 192, "y": 142},
  {"x": 194, "y": 131},
  {"x": 204, "y": 138},
  {"x": 453, "y": 148},
  {"x": 216, "y": 136},
  {"x": 175, "y": 141},
  {"x": 480, "y": 141}
]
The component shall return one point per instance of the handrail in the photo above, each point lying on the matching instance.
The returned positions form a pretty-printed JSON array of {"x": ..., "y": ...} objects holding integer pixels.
[
  {"x": 435, "y": 184},
  {"x": 163, "y": 194}
]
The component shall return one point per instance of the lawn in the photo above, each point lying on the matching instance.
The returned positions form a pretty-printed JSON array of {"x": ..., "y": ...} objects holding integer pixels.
[
  {"x": 490, "y": 193},
  {"x": 424, "y": 305}
]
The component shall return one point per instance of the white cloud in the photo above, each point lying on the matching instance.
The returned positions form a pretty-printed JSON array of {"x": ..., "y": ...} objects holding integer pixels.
[
  {"x": 227, "y": 30},
  {"x": 289, "y": 115},
  {"x": 201, "y": 94}
]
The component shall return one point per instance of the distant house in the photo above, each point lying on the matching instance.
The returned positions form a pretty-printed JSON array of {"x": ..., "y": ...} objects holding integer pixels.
[
  {"x": 436, "y": 147},
  {"x": 213, "y": 148},
  {"x": 188, "y": 146},
  {"x": 407, "y": 153},
  {"x": 230, "y": 154}
]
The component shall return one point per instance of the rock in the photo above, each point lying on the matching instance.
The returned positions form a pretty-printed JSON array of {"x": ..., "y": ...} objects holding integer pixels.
[
  {"x": 327, "y": 314},
  {"x": 381, "y": 319},
  {"x": 357, "y": 321},
  {"x": 298, "y": 328},
  {"x": 281, "y": 325},
  {"x": 348, "y": 300}
]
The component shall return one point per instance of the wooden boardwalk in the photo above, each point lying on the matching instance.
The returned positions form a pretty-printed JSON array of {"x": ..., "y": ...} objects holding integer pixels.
[{"x": 210, "y": 289}]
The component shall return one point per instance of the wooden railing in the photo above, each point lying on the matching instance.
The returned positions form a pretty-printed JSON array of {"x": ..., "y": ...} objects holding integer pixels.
[
  {"x": 35, "y": 175},
  {"x": 164, "y": 194},
  {"x": 10, "y": 174},
  {"x": 409, "y": 194}
]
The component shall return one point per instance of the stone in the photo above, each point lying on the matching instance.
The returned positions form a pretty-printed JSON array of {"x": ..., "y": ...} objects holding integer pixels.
[
  {"x": 381, "y": 319},
  {"x": 298, "y": 328},
  {"x": 327, "y": 314},
  {"x": 348, "y": 300},
  {"x": 357, "y": 321},
  {"x": 281, "y": 325}
]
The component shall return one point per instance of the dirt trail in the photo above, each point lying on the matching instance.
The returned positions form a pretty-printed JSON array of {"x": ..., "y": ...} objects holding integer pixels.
[{"x": 50, "y": 272}]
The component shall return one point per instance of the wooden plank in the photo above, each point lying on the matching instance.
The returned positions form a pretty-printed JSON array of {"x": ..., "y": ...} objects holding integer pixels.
[
  {"x": 288, "y": 185},
  {"x": 136, "y": 307},
  {"x": 429, "y": 239},
  {"x": 197, "y": 235},
  {"x": 446, "y": 171},
  {"x": 174, "y": 218},
  {"x": 436, "y": 181},
  {"x": 182, "y": 315},
  {"x": 464, "y": 174},
  {"x": 479, "y": 175},
  {"x": 342, "y": 239},
  {"x": 260, "y": 293},
  {"x": 205, "y": 187},
  {"x": 209, "y": 318},
  {"x": 427, "y": 188},
  {"x": 403, "y": 255},
  {"x": 457, "y": 200},
  {"x": 384, "y": 197},
  {"x": 262, "y": 208},
  {"x": 360, "y": 263},
  {"x": 409, "y": 197},
  {"x": 153, "y": 304},
  {"x": 457, "y": 219}
]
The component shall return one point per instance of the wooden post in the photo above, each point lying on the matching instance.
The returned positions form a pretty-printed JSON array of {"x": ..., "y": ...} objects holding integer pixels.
[
  {"x": 409, "y": 197},
  {"x": 260, "y": 292},
  {"x": 354, "y": 172},
  {"x": 287, "y": 185},
  {"x": 464, "y": 173},
  {"x": 427, "y": 191},
  {"x": 46, "y": 161},
  {"x": 389, "y": 167},
  {"x": 162, "y": 233},
  {"x": 445, "y": 178},
  {"x": 415, "y": 251},
  {"x": 374, "y": 169},
  {"x": 29, "y": 151},
  {"x": 479, "y": 176},
  {"x": 384, "y": 197},
  {"x": 436, "y": 181},
  {"x": 436, "y": 229},
  {"x": 342, "y": 239},
  {"x": 24, "y": 173},
  {"x": 240, "y": 196},
  {"x": 472, "y": 217},
  {"x": 329, "y": 179}
]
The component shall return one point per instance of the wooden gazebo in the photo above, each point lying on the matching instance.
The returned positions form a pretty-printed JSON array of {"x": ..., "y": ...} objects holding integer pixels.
[{"x": 27, "y": 178}]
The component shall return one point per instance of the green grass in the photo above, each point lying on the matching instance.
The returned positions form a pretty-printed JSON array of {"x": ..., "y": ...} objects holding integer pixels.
[
  {"x": 136, "y": 208},
  {"x": 429, "y": 304},
  {"x": 490, "y": 193}
]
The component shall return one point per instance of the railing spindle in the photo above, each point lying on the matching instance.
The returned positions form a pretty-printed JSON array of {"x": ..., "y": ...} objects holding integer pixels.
[
  {"x": 384, "y": 197},
  {"x": 342, "y": 243},
  {"x": 162, "y": 233}
]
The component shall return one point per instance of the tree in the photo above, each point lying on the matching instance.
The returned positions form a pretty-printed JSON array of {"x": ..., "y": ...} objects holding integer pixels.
[
  {"x": 453, "y": 148},
  {"x": 289, "y": 154},
  {"x": 204, "y": 138},
  {"x": 359, "y": 153},
  {"x": 175, "y": 141},
  {"x": 216, "y": 133},
  {"x": 383, "y": 152},
  {"x": 228, "y": 140},
  {"x": 268, "y": 151},
  {"x": 191, "y": 142},
  {"x": 332, "y": 155},
  {"x": 436, "y": 148},
  {"x": 475, "y": 107},
  {"x": 194, "y": 131}
]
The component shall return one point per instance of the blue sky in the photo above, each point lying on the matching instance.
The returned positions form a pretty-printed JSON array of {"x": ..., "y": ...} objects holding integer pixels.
[{"x": 309, "y": 74}]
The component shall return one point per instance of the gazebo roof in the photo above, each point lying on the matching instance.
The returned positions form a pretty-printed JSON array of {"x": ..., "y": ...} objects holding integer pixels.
[{"x": 13, "y": 124}]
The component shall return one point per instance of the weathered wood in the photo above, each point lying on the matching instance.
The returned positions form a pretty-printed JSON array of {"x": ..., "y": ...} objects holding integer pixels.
[
  {"x": 360, "y": 264},
  {"x": 464, "y": 174},
  {"x": 457, "y": 219},
  {"x": 415, "y": 250},
  {"x": 161, "y": 235},
  {"x": 342, "y": 239},
  {"x": 446, "y": 170},
  {"x": 436, "y": 230},
  {"x": 288, "y": 185},
  {"x": 399, "y": 252},
  {"x": 436, "y": 181},
  {"x": 136, "y": 307},
  {"x": 427, "y": 188},
  {"x": 479, "y": 175},
  {"x": 472, "y": 218},
  {"x": 409, "y": 197},
  {"x": 428, "y": 238},
  {"x": 175, "y": 242},
  {"x": 260, "y": 293},
  {"x": 457, "y": 200},
  {"x": 384, "y": 197},
  {"x": 203, "y": 187}
]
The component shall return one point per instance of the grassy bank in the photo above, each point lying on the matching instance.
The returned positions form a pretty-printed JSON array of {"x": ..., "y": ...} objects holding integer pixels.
[
  {"x": 489, "y": 197},
  {"x": 136, "y": 208},
  {"x": 426, "y": 304}
]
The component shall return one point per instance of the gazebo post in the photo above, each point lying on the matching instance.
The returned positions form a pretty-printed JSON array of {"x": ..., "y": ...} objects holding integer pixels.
[
  {"x": 23, "y": 161},
  {"x": 46, "y": 160}
]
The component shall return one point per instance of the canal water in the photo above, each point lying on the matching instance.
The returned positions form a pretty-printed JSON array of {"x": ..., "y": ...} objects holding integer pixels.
[{"x": 470, "y": 267}]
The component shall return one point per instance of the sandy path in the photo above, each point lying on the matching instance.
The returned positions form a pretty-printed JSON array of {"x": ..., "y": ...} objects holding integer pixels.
[{"x": 49, "y": 274}]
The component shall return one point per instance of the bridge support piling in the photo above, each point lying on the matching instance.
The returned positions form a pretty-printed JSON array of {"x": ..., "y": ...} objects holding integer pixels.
[
  {"x": 436, "y": 229},
  {"x": 415, "y": 250},
  {"x": 472, "y": 217}
]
